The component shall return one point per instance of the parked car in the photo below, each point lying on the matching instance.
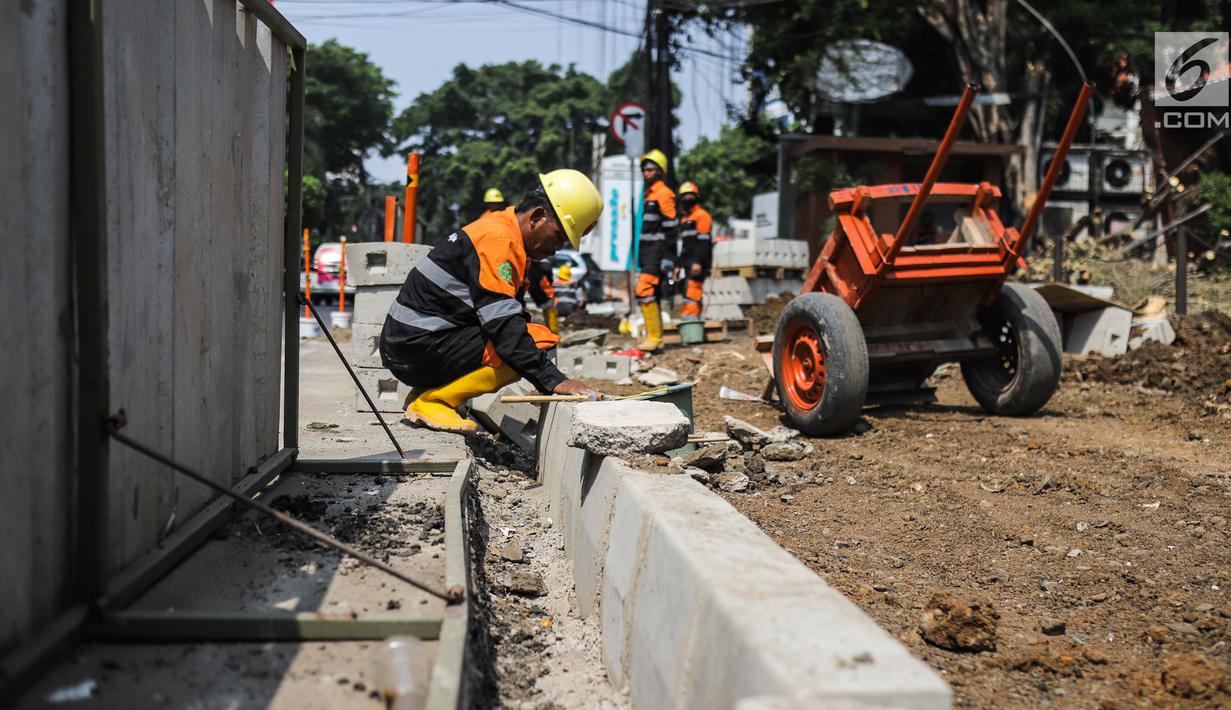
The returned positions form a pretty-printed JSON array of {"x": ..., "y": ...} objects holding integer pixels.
[{"x": 326, "y": 273}]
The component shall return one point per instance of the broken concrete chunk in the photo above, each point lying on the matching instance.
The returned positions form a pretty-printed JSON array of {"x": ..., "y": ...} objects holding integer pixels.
[
  {"x": 784, "y": 451},
  {"x": 780, "y": 434},
  {"x": 526, "y": 583},
  {"x": 627, "y": 427},
  {"x": 512, "y": 550},
  {"x": 658, "y": 377},
  {"x": 708, "y": 457},
  {"x": 730, "y": 482},
  {"x": 745, "y": 433},
  {"x": 699, "y": 475}
]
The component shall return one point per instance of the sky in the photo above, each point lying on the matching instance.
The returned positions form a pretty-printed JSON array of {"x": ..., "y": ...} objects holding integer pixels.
[{"x": 418, "y": 42}]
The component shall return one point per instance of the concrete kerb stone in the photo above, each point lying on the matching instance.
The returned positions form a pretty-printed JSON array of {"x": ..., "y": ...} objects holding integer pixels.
[
  {"x": 627, "y": 427},
  {"x": 519, "y": 422},
  {"x": 372, "y": 303},
  {"x": 387, "y": 392},
  {"x": 589, "y": 362},
  {"x": 381, "y": 263},
  {"x": 365, "y": 345},
  {"x": 699, "y": 608}
]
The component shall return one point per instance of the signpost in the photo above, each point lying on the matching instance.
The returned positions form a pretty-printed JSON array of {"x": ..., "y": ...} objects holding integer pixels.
[{"x": 628, "y": 129}]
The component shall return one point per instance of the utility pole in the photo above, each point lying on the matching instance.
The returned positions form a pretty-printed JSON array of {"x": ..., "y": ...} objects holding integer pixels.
[{"x": 658, "y": 80}]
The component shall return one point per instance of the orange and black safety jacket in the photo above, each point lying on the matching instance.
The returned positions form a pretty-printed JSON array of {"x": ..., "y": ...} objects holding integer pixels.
[
  {"x": 696, "y": 243},
  {"x": 658, "y": 228},
  {"x": 475, "y": 280},
  {"x": 541, "y": 288}
]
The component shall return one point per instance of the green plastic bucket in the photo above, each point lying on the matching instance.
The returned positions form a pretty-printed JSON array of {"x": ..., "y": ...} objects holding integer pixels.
[{"x": 692, "y": 332}]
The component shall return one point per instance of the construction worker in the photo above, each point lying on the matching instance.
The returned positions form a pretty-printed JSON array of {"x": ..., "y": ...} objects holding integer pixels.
[
  {"x": 458, "y": 328},
  {"x": 696, "y": 248},
  {"x": 544, "y": 293},
  {"x": 493, "y": 200},
  {"x": 656, "y": 250},
  {"x": 567, "y": 292}
]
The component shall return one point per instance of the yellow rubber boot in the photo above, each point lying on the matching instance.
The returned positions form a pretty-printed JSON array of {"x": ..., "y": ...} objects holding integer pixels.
[
  {"x": 653, "y": 327},
  {"x": 553, "y": 319},
  {"x": 437, "y": 408}
]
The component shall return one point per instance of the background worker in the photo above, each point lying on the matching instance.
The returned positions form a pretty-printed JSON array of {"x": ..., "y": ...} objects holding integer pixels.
[
  {"x": 568, "y": 292},
  {"x": 696, "y": 248},
  {"x": 458, "y": 328},
  {"x": 493, "y": 200},
  {"x": 544, "y": 293},
  {"x": 656, "y": 248}
]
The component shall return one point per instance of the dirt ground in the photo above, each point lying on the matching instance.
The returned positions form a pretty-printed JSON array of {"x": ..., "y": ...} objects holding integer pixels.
[{"x": 1102, "y": 519}]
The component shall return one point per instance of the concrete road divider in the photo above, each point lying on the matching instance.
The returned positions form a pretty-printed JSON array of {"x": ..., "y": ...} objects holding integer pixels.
[
  {"x": 381, "y": 263},
  {"x": 698, "y": 607}
]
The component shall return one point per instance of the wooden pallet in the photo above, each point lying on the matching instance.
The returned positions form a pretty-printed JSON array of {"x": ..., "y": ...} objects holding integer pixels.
[{"x": 760, "y": 272}]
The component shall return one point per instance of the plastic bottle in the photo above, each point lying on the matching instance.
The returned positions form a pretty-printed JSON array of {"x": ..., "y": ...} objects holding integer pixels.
[{"x": 401, "y": 670}]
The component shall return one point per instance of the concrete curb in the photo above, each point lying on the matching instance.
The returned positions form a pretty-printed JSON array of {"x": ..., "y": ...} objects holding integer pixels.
[
  {"x": 446, "y": 689},
  {"x": 699, "y": 608}
]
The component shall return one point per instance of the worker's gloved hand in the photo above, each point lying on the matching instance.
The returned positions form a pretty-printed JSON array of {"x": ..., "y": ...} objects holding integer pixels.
[
  {"x": 577, "y": 387},
  {"x": 666, "y": 266}
]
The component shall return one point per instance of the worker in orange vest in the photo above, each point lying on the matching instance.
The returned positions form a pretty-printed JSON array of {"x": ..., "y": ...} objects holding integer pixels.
[
  {"x": 656, "y": 248},
  {"x": 696, "y": 248},
  {"x": 458, "y": 328},
  {"x": 543, "y": 292}
]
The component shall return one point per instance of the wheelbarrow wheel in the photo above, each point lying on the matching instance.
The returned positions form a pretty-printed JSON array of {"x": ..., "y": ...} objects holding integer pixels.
[
  {"x": 1026, "y": 372},
  {"x": 820, "y": 364}
]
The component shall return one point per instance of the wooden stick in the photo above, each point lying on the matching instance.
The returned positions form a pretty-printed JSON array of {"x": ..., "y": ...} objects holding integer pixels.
[{"x": 542, "y": 398}]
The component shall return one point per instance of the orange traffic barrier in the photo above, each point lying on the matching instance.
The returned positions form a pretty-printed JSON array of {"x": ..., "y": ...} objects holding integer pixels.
[
  {"x": 412, "y": 197},
  {"x": 391, "y": 208},
  {"x": 342, "y": 280},
  {"x": 307, "y": 272}
]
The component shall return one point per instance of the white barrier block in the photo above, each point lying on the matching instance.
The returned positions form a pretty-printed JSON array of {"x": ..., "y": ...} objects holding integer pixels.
[{"x": 381, "y": 263}]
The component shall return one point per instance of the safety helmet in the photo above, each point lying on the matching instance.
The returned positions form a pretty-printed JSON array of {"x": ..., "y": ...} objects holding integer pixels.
[
  {"x": 656, "y": 157},
  {"x": 575, "y": 200},
  {"x": 565, "y": 272},
  {"x": 493, "y": 194},
  {"x": 689, "y": 187}
]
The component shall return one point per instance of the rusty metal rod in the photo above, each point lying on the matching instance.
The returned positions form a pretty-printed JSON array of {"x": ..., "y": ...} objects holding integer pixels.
[
  {"x": 115, "y": 423},
  {"x": 938, "y": 164},
  {"x": 351, "y": 372},
  {"x": 1057, "y": 163}
]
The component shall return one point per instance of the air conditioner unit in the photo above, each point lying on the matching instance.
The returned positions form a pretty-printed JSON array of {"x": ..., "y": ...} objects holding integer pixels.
[
  {"x": 1060, "y": 215},
  {"x": 1074, "y": 175},
  {"x": 1124, "y": 172}
]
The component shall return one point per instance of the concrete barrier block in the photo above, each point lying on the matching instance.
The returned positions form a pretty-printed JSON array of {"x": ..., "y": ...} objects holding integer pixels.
[
  {"x": 728, "y": 311},
  {"x": 365, "y": 345},
  {"x": 381, "y": 263},
  {"x": 1103, "y": 330},
  {"x": 372, "y": 303},
  {"x": 627, "y": 426},
  {"x": 728, "y": 290},
  {"x": 387, "y": 392},
  {"x": 761, "y": 289}
]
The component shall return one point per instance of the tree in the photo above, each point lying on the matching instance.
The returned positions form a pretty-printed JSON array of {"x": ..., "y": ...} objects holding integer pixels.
[
  {"x": 348, "y": 103},
  {"x": 729, "y": 170},
  {"x": 498, "y": 126}
]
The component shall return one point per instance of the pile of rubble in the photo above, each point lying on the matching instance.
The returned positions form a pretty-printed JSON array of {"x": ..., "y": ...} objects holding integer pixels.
[
  {"x": 1197, "y": 364},
  {"x": 746, "y": 460}
]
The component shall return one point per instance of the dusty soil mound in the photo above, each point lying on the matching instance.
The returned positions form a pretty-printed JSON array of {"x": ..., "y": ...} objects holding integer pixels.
[
  {"x": 765, "y": 316},
  {"x": 1197, "y": 365}
]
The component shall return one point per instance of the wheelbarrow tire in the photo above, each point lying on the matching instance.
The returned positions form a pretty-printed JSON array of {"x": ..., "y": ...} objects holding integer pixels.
[
  {"x": 1024, "y": 377},
  {"x": 820, "y": 364}
]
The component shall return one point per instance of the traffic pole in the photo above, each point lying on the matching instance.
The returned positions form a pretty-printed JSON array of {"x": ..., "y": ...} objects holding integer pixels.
[
  {"x": 342, "y": 280},
  {"x": 307, "y": 272},
  {"x": 391, "y": 208},
  {"x": 412, "y": 196}
]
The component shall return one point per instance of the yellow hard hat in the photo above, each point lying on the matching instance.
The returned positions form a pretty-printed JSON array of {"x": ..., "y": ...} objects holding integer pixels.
[
  {"x": 576, "y": 201},
  {"x": 565, "y": 272},
  {"x": 690, "y": 187},
  {"x": 657, "y": 157},
  {"x": 493, "y": 194}
]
